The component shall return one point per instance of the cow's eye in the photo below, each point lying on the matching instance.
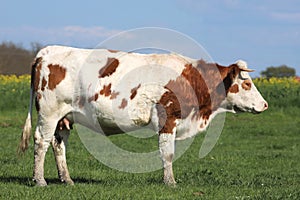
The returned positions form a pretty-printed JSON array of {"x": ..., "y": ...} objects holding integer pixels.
[{"x": 246, "y": 85}]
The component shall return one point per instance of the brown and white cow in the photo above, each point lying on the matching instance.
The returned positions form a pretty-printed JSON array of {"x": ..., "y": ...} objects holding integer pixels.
[{"x": 177, "y": 95}]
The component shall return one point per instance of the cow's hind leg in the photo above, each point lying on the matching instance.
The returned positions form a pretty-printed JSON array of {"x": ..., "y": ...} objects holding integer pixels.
[
  {"x": 167, "y": 148},
  {"x": 59, "y": 143},
  {"x": 42, "y": 138}
]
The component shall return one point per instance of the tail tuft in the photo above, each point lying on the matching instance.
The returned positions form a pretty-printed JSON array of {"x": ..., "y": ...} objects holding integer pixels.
[{"x": 24, "y": 143}]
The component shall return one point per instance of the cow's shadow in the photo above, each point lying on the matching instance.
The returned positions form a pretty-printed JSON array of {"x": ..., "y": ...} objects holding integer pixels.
[{"x": 51, "y": 181}]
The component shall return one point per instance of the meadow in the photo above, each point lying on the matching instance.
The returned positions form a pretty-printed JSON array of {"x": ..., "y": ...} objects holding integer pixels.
[{"x": 256, "y": 156}]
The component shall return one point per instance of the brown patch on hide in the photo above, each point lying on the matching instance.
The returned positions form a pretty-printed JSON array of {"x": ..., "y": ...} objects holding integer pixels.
[
  {"x": 93, "y": 98},
  {"x": 234, "y": 89},
  {"x": 44, "y": 82},
  {"x": 123, "y": 104},
  {"x": 106, "y": 90},
  {"x": 109, "y": 68},
  {"x": 96, "y": 97},
  {"x": 56, "y": 75},
  {"x": 114, "y": 95},
  {"x": 166, "y": 118},
  {"x": 134, "y": 91}
]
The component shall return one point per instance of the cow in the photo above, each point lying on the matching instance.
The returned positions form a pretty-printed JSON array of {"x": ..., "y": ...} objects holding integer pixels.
[{"x": 177, "y": 95}]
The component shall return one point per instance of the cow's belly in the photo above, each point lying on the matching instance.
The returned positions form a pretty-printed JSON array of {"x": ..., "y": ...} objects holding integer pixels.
[{"x": 109, "y": 118}]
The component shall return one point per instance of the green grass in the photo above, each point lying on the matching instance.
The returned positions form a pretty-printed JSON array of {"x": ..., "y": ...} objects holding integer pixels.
[{"x": 256, "y": 157}]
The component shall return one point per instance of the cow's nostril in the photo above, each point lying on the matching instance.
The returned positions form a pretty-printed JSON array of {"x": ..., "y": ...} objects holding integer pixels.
[{"x": 266, "y": 105}]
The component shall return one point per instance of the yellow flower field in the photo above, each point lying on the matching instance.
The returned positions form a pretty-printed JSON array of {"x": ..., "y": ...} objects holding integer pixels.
[
  {"x": 13, "y": 79},
  {"x": 286, "y": 82}
]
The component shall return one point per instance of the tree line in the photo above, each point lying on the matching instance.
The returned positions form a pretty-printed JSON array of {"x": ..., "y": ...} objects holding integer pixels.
[
  {"x": 15, "y": 59},
  {"x": 280, "y": 72}
]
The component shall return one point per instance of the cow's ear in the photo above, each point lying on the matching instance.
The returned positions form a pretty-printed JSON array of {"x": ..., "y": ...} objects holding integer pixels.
[
  {"x": 234, "y": 71},
  {"x": 228, "y": 72}
]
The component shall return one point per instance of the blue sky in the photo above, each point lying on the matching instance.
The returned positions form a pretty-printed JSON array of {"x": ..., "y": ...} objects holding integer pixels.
[{"x": 262, "y": 32}]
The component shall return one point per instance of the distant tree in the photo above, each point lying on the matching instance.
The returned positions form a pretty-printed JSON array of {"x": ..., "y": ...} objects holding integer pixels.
[
  {"x": 15, "y": 59},
  {"x": 35, "y": 47},
  {"x": 280, "y": 71}
]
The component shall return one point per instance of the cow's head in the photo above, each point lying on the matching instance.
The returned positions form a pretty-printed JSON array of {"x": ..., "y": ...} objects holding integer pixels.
[{"x": 242, "y": 95}]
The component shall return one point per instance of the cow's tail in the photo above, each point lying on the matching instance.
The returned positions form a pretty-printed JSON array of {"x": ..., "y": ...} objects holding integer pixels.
[{"x": 25, "y": 137}]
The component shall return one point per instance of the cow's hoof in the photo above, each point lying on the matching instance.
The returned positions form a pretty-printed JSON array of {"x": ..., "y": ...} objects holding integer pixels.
[
  {"x": 68, "y": 182},
  {"x": 170, "y": 183},
  {"x": 40, "y": 183}
]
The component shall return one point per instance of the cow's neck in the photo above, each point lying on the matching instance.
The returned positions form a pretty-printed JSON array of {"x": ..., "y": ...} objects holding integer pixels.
[{"x": 192, "y": 125}]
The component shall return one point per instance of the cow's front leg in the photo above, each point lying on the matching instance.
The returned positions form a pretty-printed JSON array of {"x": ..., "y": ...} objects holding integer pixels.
[
  {"x": 43, "y": 136},
  {"x": 167, "y": 149},
  {"x": 59, "y": 142}
]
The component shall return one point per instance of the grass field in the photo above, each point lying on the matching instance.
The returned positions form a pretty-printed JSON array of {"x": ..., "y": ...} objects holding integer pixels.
[{"x": 256, "y": 157}]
